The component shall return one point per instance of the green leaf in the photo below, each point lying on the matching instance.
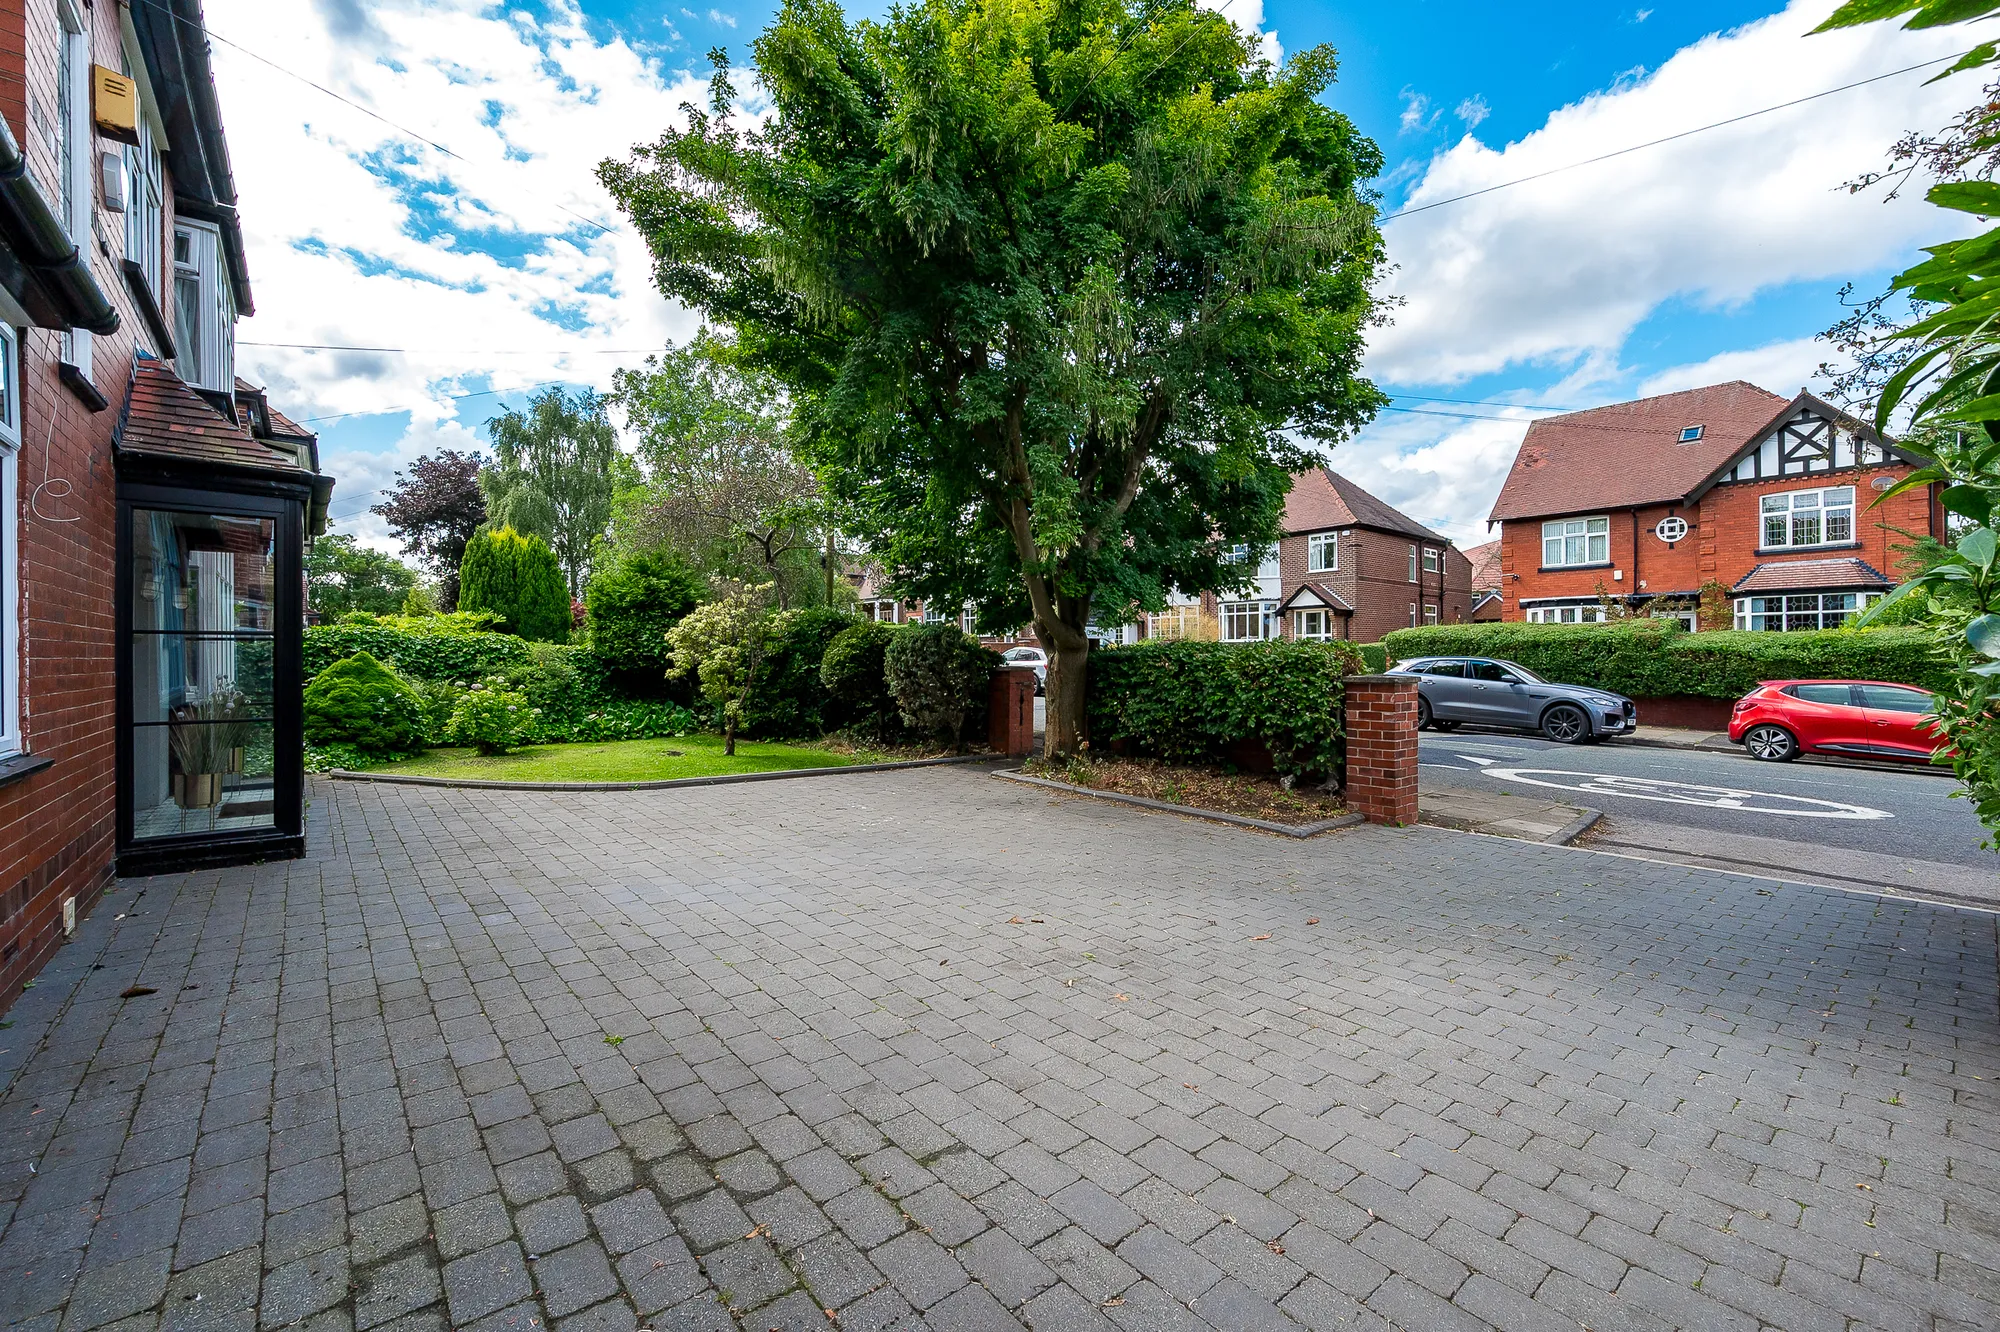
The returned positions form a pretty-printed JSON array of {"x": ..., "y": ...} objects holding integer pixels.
[
  {"x": 1979, "y": 546},
  {"x": 1983, "y": 54},
  {"x": 1940, "y": 13},
  {"x": 1856, "y": 12},
  {"x": 1874, "y": 612},
  {"x": 1984, "y": 635},
  {"x": 1971, "y": 501},
  {"x": 1984, "y": 668},
  {"x": 1967, "y": 196}
]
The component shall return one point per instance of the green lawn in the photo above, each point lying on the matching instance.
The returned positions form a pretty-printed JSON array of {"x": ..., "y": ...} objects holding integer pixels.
[{"x": 621, "y": 761}]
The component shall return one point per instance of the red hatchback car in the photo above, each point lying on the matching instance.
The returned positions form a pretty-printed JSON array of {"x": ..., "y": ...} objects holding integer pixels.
[{"x": 1782, "y": 719}]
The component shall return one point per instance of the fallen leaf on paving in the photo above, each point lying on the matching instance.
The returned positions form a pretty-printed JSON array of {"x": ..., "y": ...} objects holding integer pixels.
[
  {"x": 758, "y": 1231},
  {"x": 1274, "y": 1246},
  {"x": 1016, "y": 920},
  {"x": 1121, "y": 998},
  {"x": 1869, "y": 1187},
  {"x": 1190, "y": 1086},
  {"x": 1312, "y": 920},
  {"x": 1259, "y": 938},
  {"x": 1110, "y": 1304}
]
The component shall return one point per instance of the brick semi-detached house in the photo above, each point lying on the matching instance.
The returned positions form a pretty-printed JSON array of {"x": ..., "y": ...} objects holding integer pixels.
[
  {"x": 1726, "y": 505},
  {"x": 153, "y": 507}
]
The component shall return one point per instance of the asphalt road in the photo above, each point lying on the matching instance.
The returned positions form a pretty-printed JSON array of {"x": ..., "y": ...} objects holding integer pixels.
[{"x": 1820, "y": 821}]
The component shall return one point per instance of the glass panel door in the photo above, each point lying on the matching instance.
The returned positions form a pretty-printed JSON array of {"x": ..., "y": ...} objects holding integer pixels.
[{"x": 202, "y": 665}]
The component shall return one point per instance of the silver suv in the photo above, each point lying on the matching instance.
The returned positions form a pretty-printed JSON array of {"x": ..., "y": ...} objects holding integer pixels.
[{"x": 1489, "y": 692}]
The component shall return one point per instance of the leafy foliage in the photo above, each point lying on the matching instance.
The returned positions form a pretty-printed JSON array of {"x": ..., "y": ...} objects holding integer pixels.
[
  {"x": 1657, "y": 658},
  {"x": 516, "y": 577},
  {"x": 722, "y": 484},
  {"x": 1055, "y": 289},
  {"x": 789, "y": 698},
  {"x": 633, "y": 601},
  {"x": 492, "y": 718},
  {"x": 361, "y": 702},
  {"x": 941, "y": 679},
  {"x": 343, "y": 576},
  {"x": 722, "y": 645},
  {"x": 855, "y": 674},
  {"x": 554, "y": 472},
  {"x": 460, "y": 646},
  {"x": 434, "y": 509},
  {"x": 1187, "y": 700}
]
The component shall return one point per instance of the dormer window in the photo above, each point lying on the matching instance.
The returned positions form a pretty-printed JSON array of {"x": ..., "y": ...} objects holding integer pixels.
[{"x": 1689, "y": 434}]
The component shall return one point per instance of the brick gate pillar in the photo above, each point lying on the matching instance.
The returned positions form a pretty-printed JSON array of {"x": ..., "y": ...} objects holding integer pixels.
[
  {"x": 1011, "y": 711},
  {"x": 1381, "y": 719}
]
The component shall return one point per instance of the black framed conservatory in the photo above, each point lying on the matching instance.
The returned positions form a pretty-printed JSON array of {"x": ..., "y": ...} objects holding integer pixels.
[{"x": 212, "y": 524}]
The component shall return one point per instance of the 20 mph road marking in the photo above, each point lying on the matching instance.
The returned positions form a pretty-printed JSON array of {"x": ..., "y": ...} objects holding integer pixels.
[{"x": 1688, "y": 793}]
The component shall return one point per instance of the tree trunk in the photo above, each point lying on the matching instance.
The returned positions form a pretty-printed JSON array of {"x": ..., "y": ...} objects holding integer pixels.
[
  {"x": 729, "y": 736},
  {"x": 1069, "y": 658}
]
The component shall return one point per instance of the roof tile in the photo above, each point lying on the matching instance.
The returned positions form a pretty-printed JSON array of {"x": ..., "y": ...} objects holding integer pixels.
[
  {"x": 166, "y": 418},
  {"x": 1813, "y": 576},
  {"x": 1323, "y": 498}
]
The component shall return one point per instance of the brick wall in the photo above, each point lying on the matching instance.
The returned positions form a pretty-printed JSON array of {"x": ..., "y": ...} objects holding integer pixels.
[
  {"x": 1374, "y": 576},
  {"x": 57, "y": 826},
  {"x": 1381, "y": 723},
  {"x": 1725, "y": 529}
]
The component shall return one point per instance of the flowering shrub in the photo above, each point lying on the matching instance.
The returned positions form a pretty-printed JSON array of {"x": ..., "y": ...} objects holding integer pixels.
[{"x": 492, "y": 719}]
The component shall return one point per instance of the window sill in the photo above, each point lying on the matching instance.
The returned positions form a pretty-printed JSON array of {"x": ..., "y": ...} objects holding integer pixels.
[
  {"x": 1790, "y": 550},
  {"x": 79, "y": 384},
  {"x": 1574, "y": 568},
  {"x": 17, "y": 766}
]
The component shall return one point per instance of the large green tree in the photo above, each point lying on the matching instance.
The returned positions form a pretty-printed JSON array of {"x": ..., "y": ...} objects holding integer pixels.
[
  {"x": 343, "y": 576},
  {"x": 1061, "y": 289},
  {"x": 555, "y": 469}
]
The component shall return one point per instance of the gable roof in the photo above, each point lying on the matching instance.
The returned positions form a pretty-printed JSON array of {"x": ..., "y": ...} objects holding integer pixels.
[
  {"x": 1813, "y": 576},
  {"x": 166, "y": 418},
  {"x": 1316, "y": 594},
  {"x": 1485, "y": 565},
  {"x": 1321, "y": 498},
  {"x": 1629, "y": 453}
]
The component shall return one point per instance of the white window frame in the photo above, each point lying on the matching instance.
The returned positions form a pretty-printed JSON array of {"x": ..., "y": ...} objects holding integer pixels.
[
  {"x": 1313, "y": 626},
  {"x": 1587, "y": 614},
  {"x": 1413, "y": 578},
  {"x": 882, "y": 610},
  {"x": 1430, "y": 613},
  {"x": 1235, "y": 614},
  {"x": 1792, "y": 614},
  {"x": 968, "y": 621},
  {"x": 1433, "y": 559},
  {"x": 932, "y": 615},
  {"x": 10, "y": 540},
  {"x": 1323, "y": 552},
  {"x": 1413, "y": 615},
  {"x": 1788, "y": 509},
  {"x": 75, "y": 136},
  {"x": 145, "y": 210},
  {"x": 213, "y": 337},
  {"x": 1562, "y": 538}
]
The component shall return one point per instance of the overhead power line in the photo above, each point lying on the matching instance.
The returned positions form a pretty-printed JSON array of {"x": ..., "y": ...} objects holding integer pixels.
[
  {"x": 458, "y": 351},
  {"x": 452, "y": 397},
  {"x": 1654, "y": 143}
]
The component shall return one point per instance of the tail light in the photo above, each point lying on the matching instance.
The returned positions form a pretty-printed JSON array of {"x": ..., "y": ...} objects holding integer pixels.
[{"x": 1749, "y": 700}]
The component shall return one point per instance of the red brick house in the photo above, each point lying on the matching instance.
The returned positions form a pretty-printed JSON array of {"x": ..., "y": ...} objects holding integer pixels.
[
  {"x": 1753, "y": 506},
  {"x": 1485, "y": 562},
  {"x": 153, "y": 508}
]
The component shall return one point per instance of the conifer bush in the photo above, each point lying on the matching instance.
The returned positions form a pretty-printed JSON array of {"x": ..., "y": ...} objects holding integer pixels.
[
  {"x": 519, "y": 579},
  {"x": 361, "y": 702}
]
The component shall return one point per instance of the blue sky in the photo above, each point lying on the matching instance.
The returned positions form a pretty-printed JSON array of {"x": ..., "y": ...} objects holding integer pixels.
[{"x": 500, "y": 265}]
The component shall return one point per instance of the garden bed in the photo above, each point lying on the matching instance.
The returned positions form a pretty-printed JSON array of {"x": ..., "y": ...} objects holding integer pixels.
[{"x": 1246, "y": 795}]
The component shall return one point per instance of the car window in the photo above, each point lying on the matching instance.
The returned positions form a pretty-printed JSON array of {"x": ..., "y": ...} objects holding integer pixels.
[
  {"x": 1522, "y": 673},
  {"x": 1487, "y": 670},
  {"x": 1454, "y": 669},
  {"x": 1890, "y": 698},
  {"x": 1839, "y": 694}
]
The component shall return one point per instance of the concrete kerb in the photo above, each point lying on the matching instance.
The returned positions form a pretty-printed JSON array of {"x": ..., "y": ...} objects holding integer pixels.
[
  {"x": 1298, "y": 830},
  {"x": 726, "y": 779}
]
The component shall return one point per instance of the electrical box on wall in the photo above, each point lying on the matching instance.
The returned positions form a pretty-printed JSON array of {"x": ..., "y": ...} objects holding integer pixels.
[
  {"x": 114, "y": 105},
  {"x": 111, "y": 181}
]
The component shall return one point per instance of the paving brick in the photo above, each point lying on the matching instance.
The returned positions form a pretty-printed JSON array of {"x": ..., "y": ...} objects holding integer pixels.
[{"x": 573, "y": 1278}]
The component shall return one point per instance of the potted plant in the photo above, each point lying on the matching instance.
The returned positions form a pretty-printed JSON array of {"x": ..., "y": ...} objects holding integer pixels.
[{"x": 207, "y": 737}]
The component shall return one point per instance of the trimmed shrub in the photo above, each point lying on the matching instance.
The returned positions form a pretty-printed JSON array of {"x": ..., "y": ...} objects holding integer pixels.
[
  {"x": 361, "y": 702},
  {"x": 632, "y": 602},
  {"x": 1191, "y": 701},
  {"x": 1374, "y": 658},
  {"x": 855, "y": 674},
  {"x": 432, "y": 647},
  {"x": 517, "y": 578},
  {"x": 491, "y": 718},
  {"x": 941, "y": 680},
  {"x": 1659, "y": 659},
  {"x": 787, "y": 697}
]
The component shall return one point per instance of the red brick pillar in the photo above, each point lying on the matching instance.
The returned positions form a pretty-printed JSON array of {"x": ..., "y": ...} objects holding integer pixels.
[
  {"x": 1381, "y": 714},
  {"x": 1010, "y": 727}
]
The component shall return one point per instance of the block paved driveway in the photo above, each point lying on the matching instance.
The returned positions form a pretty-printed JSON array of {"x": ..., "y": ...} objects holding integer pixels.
[{"x": 929, "y": 1050}]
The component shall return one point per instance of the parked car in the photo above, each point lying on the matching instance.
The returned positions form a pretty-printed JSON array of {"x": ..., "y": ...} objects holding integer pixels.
[
  {"x": 1782, "y": 719},
  {"x": 1030, "y": 656},
  {"x": 1490, "y": 692}
]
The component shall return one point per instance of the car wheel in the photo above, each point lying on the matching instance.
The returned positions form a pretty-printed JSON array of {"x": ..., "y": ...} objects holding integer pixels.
[
  {"x": 1772, "y": 744},
  {"x": 1439, "y": 725},
  {"x": 1566, "y": 724},
  {"x": 1423, "y": 713}
]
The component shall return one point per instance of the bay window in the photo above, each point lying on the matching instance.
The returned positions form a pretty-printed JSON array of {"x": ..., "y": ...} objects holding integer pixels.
[
  {"x": 1797, "y": 611},
  {"x": 1571, "y": 541},
  {"x": 1592, "y": 614},
  {"x": 1809, "y": 518},
  {"x": 1313, "y": 625},
  {"x": 1246, "y": 621},
  {"x": 1323, "y": 552},
  {"x": 204, "y": 308}
]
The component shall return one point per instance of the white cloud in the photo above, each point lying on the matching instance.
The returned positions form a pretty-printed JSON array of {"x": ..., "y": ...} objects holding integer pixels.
[
  {"x": 1558, "y": 270},
  {"x": 1441, "y": 471},
  {"x": 1473, "y": 110},
  {"x": 1417, "y": 114},
  {"x": 717, "y": 16},
  {"x": 1782, "y": 367},
  {"x": 462, "y": 257}
]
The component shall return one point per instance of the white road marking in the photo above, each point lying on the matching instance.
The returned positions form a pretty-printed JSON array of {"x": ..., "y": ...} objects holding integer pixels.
[
  {"x": 1689, "y": 793},
  {"x": 1474, "y": 758}
]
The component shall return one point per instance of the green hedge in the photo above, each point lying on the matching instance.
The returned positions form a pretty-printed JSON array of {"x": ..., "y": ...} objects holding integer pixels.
[
  {"x": 1658, "y": 659},
  {"x": 1191, "y": 701},
  {"x": 437, "y": 647}
]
